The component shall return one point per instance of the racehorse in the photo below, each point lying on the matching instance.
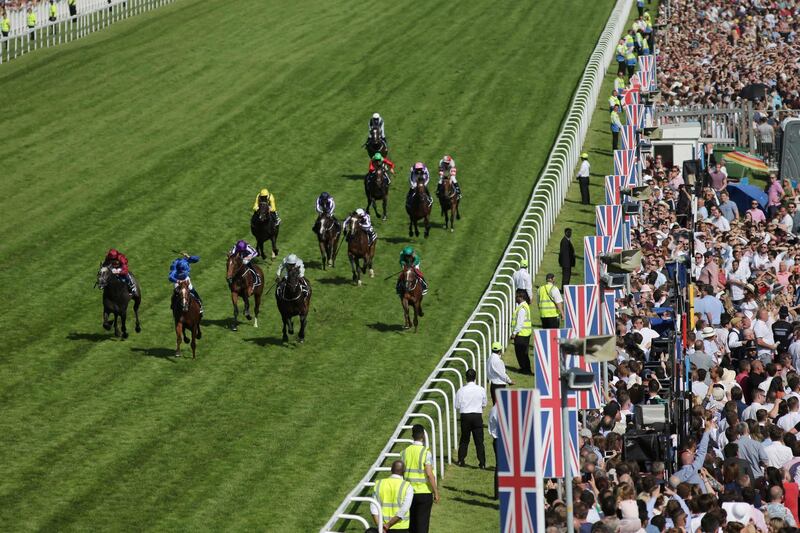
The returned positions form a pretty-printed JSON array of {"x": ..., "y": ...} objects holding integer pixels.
[
  {"x": 448, "y": 200},
  {"x": 186, "y": 312},
  {"x": 377, "y": 188},
  {"x": 116, "y": 296},
  {"x": 359, "y": 249},
  {"x": 328, "y": 235},
  {"x": 293, "y": 295},
  {"x": 419, "y": 208},
  {"x": 411, "y": 296},
  {"x": 375, "y": 143},
  {"x": 264, "y": 228},
  {"x": 244, "y": 281}
]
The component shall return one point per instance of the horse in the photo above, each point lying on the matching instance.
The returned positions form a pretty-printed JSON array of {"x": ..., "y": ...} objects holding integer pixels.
[
  {"x": 293, "y": 296},
  {"x": 411, "y": 295},
  {"x": 264, "y": 228},
  {"x": 358, "y": 249},
  {"x": 375, "y": 143},
  {"x": 376, "y": 185},
  {"x": 448, "y": 200},
  {"x": 419, "y": 207},
  {"x": 328, "y": 233},
  {"x": 244, "y": 281},
  {"x": 116, "y": 296},
  {"x": 186, "y": 312}
]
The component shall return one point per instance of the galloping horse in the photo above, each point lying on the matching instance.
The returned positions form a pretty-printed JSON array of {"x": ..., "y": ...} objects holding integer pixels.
[
  {"x": 377, "y": 188},
  {"x": 264, "y": 228},
  {"x": 186, "y": 312},
  {"x": 359, "y": 249},
  {"x": 294, "y": 297},
  {"x": 328, "y": 236},
  {"x": 448, "y": 200},
  {"x": 411, "y": 296},
  {"x": 419, "y": 208},
  {"x": 244, "y": 281},
  {"x": 115, "y": 300},
  {"x": 375, "y": 143}
]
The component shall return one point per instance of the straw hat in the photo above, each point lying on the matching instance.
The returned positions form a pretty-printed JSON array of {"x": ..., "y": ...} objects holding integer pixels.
[{"x": 708, "y": 332}]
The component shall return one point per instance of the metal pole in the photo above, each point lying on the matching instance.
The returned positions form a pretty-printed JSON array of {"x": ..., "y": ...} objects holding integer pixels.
[{"x": 567, "y": 459}]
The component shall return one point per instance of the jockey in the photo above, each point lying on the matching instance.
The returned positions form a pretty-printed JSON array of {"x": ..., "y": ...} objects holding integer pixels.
[
  {"x": 265, "y": 196},
  {"x": 379, "y": 161},
  {"x": 325, "y": 206},
  {"x": 180, "y": 270},
  {"x": 377, "y": 122},
  {"x": 118, "y": 264},
  {"x": 453, "y": 180},
  {"x": 418, "y": 171},
  {"x": 245, "y": 251},
  {"x": 410, "y": 258},
  {"x": 290, "y": 262},
  {"x": 363, "y": 220},
  {"x": 446, "y": 163}
]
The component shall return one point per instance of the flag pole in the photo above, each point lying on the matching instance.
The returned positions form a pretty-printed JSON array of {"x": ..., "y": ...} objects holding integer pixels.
[
  {"x": 566, "y": 448},
  {"x": 537, "y": 431}
]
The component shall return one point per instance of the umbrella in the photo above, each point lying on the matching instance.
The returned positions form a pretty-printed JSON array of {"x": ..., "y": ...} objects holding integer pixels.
[
  {"x": 747, "y": 161},
  {"x": 742, "y": 195},
  {"x": 754, "y": 91}
]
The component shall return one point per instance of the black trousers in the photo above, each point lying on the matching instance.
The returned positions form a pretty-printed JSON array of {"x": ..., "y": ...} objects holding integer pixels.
[
  {"x": 521, "y": 346},
  {"x": 566, "y": 275},
  {"x": 496, "y": 485},
  {"x": 73, "y": 10},
  {"x": 552, "y": 322},
  {"x": 614, "y": 140},
  {"x": 622, "y": 67},
  {"x": 584, "y": 184},
  {"x": 421, "y": 513},
  {"x": 492, "y": 388},
  {"x": 471, "y": 424}
]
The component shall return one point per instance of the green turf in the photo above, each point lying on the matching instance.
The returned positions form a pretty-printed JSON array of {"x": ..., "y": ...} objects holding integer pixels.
[{"x": 155, "y": 135}]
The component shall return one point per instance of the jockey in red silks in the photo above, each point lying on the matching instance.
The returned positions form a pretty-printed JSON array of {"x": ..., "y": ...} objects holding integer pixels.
[{"x": 118, "y": 264}]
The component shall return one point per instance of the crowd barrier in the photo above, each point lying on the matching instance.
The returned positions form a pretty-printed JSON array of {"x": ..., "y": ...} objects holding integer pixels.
[
  {"x": 92, "y": 15},
  {"x": 434, "y": 402}
]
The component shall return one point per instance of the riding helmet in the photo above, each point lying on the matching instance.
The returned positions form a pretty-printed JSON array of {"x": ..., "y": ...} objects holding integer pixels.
[
  {"x": 408, "y": 250},
  {"x": 378, "y": 156},
  {"x": 360, "y": 212},
  {"x": 112, "y": 253},
  {"x": 325, "y": 196},
  {"x": 291, "y": 259},
  {"x": 419, "y": 166},
  {"x": 376, "y": 115},
  {"x": 241, "y": 246}
]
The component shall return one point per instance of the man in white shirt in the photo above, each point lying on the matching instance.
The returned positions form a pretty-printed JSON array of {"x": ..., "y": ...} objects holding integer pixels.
[
  {"x": 778, "y": 454},
  {"x": 719, "y": 221},
  {"x": 522, "y": 280},
  {"x": 583, "y": 178},
  {"x": 759, "y": 397},
  {"x": 494, "y": 432},
  {"x": 765, "y": 340},
  {"x": 496, "y": 371},
  {"x": 642, "y": 326},
  {"x": 788, "y": 421},
  {"x": 470, "y": 402},
  {"x": 398, "y": 469}
]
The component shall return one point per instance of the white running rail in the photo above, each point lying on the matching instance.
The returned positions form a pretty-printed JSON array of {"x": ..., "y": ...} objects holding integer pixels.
[
  {"x": 92, "y": 16},
  {"x": 491, "y": 319}
]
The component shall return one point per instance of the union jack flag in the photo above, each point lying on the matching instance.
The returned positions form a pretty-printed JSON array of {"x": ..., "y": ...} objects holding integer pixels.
[
  {"x": 584, "y": 316},
  {"x": 647, "y": 72},
  {"x": 631, "y": 97},
  {"x": 593, "y": 246},
  {"x": 614, "y": 185},
  {"x": 628, "y": 136},
  {"x": 518, "y": 466},
  {"x": 625, "y": 163},
  {"x": 609, "y": 224},
  {"x": 548, "y": 383},
  {"x": 609, "y": 314},
  {"x": 634, "y": 114}
]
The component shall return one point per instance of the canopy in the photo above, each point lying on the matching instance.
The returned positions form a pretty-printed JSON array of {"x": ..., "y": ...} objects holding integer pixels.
[
  {"x": 742, "y": 195},
  {"x": 747, "y": 161}
]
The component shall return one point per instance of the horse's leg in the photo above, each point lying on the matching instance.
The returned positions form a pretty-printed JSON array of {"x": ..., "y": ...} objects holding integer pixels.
[
  {"x": 416, "y": 304},
  {"x": 123, "y": 317},
  {"x": 274, "y": 240},
  {"x": 116, "y": 324},
  {"x": 179, "y": 336},
  {"x": 427, "y": 226},
  {"x": 235, "y": 302},
  {"x": 246, "y": 306},
  {"x": 354, "y": 269},
  {"x": 406, "y": 320},
  {"x": 136, "y": 301},
  {"x": 106, "y": 321},
  {"x": 291, "y": 325},
  {"x": 257, "y": 297},
  {"x": 302, "y": 335},
  {"x": 410, "y": 226},
  {"x": 323, "y": 253},
  {"x": 385, "y": 211},
  {"x": 195, "y": 331},
  {"x": 285, "y": 336}
]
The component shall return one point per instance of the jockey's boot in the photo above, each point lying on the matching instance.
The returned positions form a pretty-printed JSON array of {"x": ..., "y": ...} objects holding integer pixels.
[
  {"x": 276, "y": 218},
  {"x": 399, "y": 287},
  {"x": 199, "y": 300},
  {"x": 430, "y": 198},
  {"x": 439, "y": 189},
  {"x": 372, "y": 236},
  {"x": 424, "y": 286},
  {"x": 131, "y": 285},
  {"x": 458, "y": 190}
]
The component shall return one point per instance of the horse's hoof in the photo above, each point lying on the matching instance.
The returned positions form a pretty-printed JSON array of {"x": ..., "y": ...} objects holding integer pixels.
[
  {"x": 124, "y": 335},
  {"x": 452, "y": 230},
  {"x": 248, "y": 316},
  {"x": 371, "y": 273},
  {"x": 406, "y": 327},
  {"x": 199, "y": 334},
  {"x": 285, "y": 339},
  {"x": 234, "y": 328},
  {"x": 301, "y": 341},
  {"x": 107, "y": 326},
  {"x": 138, "y": 328},
  {"x": 177, "y": 354},
  {"x": 383, "y": 218},
  {"x": 359, "y": 283},
  {"x": 255, "y": 322}
]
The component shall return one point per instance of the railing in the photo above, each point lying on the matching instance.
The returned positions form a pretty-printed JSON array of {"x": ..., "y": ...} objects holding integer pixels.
[
  {"x": 491, "y": 319},
  {"x": 92, "y": 15}
]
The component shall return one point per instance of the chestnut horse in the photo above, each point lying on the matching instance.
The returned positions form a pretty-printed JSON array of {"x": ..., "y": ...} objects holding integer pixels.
[
  {"x": 419, "y": 208},
  {"x": 328, "y": 234},
  {"x": 115, "y": 301},
  {"x": 244, "y": 281},
  {"x": 264, "y": 228},
  {"x": 411, "y": 295},
  {"x": 293, "y": 295},
  {"x": 359, "y": 250},
  {"x": 186, "y": 312}
]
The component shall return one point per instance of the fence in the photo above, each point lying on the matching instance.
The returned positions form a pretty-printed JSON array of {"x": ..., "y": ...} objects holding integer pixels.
[
  {"x": 434, "y": 403},
  {"x": 92, "y": 15}
]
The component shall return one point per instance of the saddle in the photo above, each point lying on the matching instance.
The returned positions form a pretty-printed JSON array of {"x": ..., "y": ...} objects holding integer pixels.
[
  {"x": 256, "y": 277},
  {"x": 304, "y": 289}
]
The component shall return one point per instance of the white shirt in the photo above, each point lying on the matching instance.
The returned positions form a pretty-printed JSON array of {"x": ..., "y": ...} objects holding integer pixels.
[
  {"x": 404, "y": 507},
  {"x": 497, "y": 370},
  {"x": 750, "y": 412},
  {"x": 471, "y": 398},
  {"x": 778, "y": 454},
  {"x": 763, "y": 330},
  {"x": 699, "y": 388},
  {"x": 789, "y": 420},
  {"x": 522, "y": 280},
  {"x": 583, "y": 172},
  {"x": 721, "y": 223},
  {"x": 521, "y": 318},
  {"x": 555, "y": 295},
  {"x": 493, "y": 422}
]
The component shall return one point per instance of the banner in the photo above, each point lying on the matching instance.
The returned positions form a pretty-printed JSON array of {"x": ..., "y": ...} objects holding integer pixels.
[
  {"x": 584, "y": 316},
  {"x": 593, "y": 246},
  {"x": 609, "y": 223},
  {"x": 625, "y": 163}
]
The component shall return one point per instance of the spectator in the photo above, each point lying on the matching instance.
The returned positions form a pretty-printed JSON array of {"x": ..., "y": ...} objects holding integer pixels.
[{"x": 470, "y": 402}]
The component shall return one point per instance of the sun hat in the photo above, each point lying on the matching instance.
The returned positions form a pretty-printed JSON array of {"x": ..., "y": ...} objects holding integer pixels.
[
  {"x": 708, "y": 332},
  {"x": 497, "y": 347}
]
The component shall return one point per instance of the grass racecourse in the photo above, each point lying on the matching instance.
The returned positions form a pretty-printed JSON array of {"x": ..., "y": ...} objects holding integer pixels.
[{"x": 155, "y": 135}]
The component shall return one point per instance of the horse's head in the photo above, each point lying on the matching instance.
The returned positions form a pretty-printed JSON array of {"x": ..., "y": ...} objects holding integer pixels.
[
  {"x": 263, "y": 210},
  {"x": 374, "y": 135},
  {"x": 292, "y": 275},
  {"x": 352, "y": 225},
  {"x": 103, "y": 275},
  {"x": 420, "y": 183},
  {"x": 184, "y": 295},
  {"x": 234, "y": 265}
]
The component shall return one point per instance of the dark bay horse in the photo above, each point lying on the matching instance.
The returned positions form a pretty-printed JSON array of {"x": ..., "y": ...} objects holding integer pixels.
[
  {"x": 328, "y": 236},
  {"x": 264, "y": 228},
  {"x": 375, "y": 143},
  {"x": 419, "y": 208},
  {"x": 448, "y": 200},
  {"x": 186, "y": 312},
  {"x": 293, "y": 295},
  {"x": 115, "y": 301},
  {"x": 244, "y": 281},
  {"x": 359, "y": 251},
  {"x": 411, "y": 296},
  {"x": 376, "y": 186}
]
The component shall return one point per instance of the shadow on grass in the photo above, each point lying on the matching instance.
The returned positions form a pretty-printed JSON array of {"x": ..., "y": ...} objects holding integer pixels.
[
  {"x": 396, "y": 240},
  {"x": 383, "y": 327},
  {"x": 268, "y": 341},
  {"x": 579, "y": 222},
  {"x": 468, "y": 492},
  {"x": 313, "y": 264},
  {"x": 223, "y": 322},
  {"x": 160, "y": 353},
  {"x": 477, "y": 503},
  {"x": 353, "y": 176},
  {"x": 94, "y": 337},
  {"x": 338, "y": 280}
]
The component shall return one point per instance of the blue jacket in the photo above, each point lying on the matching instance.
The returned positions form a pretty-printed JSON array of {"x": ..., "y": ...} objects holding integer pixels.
[{"x": 180, "y": 269}]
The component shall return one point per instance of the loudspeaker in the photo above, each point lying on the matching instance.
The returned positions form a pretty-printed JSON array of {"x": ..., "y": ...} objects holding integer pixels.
[
  {"x": 790, "y": 149},
  {"x": 644, "y": 448},
  {"x": 655, "y": 417}
]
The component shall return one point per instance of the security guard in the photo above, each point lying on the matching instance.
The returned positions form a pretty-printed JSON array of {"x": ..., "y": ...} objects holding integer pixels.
[
  {"x": 613, "y": 100},
  {"x": 521, "y": 333},
  {"x": 620, "y": 84},
  {"x": 53, "y": 11},
  {"x": 419, "y": 472},
  {"x": 616, "y": 125},
  {"x": 583, "y": 178},
  {"x": 550, "y": 303},
  {"x": 621, "y": 50},
  {"x": 394, "y": 495},
  {"x": 630, "y": 62},
  {"x": 32, "y": 24},
  {"x": 73, "y": 9},
  {"x": 5, "y": 25}
]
